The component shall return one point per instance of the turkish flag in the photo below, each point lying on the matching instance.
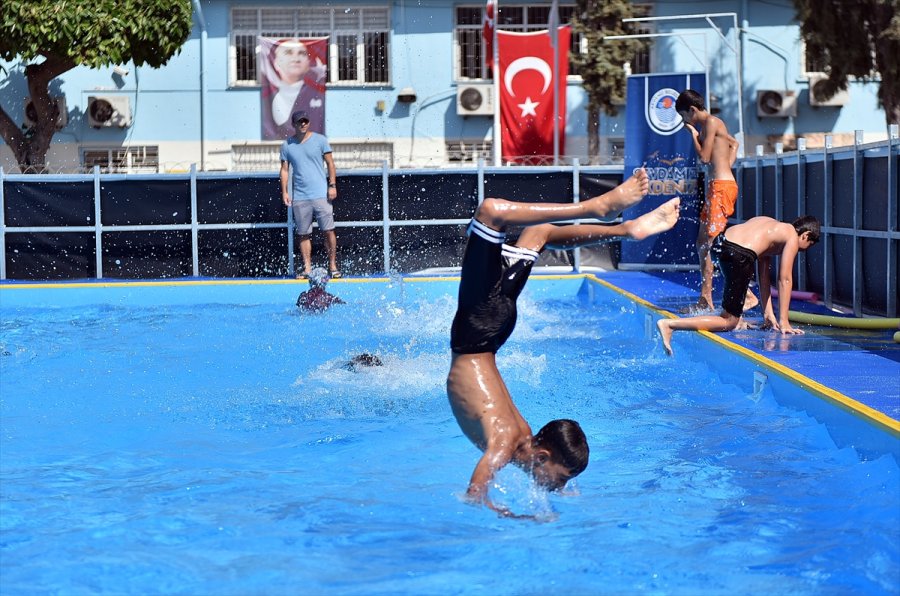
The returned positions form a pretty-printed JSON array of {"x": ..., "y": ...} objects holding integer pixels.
[
  {"x": 526, "y": 94},
  {"x": 487, "y": 32}
]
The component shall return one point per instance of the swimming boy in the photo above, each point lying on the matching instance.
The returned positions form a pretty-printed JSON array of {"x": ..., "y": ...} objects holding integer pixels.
[
  {"x": 718, "y": 150},
  {"x": 493, "y": 275},
  {"x": 317, "y": 299},
  {"x": 739, "y": 250}
]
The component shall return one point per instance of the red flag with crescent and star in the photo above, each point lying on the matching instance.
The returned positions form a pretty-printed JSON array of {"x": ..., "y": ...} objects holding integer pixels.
[{"x": 526, "y": 94}]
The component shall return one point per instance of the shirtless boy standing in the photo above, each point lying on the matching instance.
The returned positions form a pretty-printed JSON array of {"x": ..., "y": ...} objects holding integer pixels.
[
  {"x": 493, "y": 275},
  {"x": 718, "y": 150},
  {"x": 739, "y": 249}
]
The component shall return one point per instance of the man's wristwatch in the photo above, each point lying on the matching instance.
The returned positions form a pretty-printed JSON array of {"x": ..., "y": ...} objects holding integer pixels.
[{"x": 332, "y": 185}]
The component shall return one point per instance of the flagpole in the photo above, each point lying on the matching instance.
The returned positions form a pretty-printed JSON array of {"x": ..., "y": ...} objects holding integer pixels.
[
  {"x": 498, "y": 138},
  {"x": 553, "y": 25}
]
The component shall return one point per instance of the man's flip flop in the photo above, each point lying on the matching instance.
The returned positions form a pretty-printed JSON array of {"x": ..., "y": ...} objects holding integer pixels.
[
  {"x": 336, "y": 274},
  {"x": 303, "y": 276}
]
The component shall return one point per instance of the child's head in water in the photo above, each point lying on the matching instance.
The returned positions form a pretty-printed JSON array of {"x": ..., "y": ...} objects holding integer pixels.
[
  {"x": 318, "y": 278},
  {"x": 365, "y": 359},
  {"x": 560, "y": 453}
]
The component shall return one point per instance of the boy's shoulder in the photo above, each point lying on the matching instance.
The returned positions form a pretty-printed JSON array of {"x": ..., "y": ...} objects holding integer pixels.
[{"x": 717, "y": 121}]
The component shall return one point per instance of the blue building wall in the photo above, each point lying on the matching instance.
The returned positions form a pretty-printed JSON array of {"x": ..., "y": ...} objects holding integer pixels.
[
  {"x": 166, "y": 103},
  {"x": 772, "y": 58}
]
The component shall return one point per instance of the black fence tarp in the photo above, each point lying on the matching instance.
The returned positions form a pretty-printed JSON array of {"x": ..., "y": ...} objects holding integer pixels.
[
  {"x": 148, "y": 226},
  {"x": 241, "y": 222}
]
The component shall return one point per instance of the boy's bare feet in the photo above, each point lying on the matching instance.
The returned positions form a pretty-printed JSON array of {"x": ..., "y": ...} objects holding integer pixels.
[
  {"x": 666, "y": 334},
  {"x": 750, "y": 301},
  {"x": 659, "y": 220},
  {"x": 744, "y": 325},
  {"x": 621, "y": 197}
]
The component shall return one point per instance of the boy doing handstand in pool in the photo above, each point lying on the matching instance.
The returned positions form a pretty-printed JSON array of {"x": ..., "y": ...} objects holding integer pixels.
[
  {"x": 739, "y": 249},
  {"x": 493, "y": 275}
]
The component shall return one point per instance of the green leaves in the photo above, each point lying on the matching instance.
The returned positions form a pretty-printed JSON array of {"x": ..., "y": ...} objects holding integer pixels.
[
  {"x": 855, "y": 39},
  {"x": 602, "y": 67},
  {"x": 95, "y": 33},
  {"x": 91, "y": 33}
]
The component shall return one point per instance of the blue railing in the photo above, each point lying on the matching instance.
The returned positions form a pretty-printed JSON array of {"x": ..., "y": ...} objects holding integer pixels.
[
  {"x": 853, "y": 192},
  {"x": 234, "y": 225}
]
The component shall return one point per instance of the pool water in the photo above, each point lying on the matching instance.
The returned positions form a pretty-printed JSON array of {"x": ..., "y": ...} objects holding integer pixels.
[{"x": 226, "y": 449}]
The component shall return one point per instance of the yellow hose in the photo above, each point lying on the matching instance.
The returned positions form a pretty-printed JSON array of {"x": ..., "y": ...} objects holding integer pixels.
[{"x": 845, "y": 322}]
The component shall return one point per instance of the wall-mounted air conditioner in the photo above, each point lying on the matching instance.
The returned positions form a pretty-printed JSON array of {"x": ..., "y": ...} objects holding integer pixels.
[
  {"x": 109, "y": 110},
  {"x": 475, "y": 99},
  {"x": 30, "y": 113},
  {"x": 840, "y": 98},
  {"x": 776, "y": 103}
]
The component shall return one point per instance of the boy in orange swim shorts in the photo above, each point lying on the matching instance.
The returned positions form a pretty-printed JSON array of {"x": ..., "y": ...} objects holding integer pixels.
[{"x": 718, "y": 150}]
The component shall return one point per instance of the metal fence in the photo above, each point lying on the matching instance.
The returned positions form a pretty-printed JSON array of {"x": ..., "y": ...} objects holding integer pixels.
[
  {"x": 101, "y": 226},
  {"x": 853, "y": 191}
]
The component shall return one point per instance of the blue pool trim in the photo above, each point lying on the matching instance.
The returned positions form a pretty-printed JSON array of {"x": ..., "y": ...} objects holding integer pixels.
[{"x": 850, "y": 422}]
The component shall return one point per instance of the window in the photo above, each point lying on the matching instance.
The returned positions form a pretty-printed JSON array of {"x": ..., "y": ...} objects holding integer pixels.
[
  {"x": 122, "y": 160},
  {"x": 256, "y": 157},
  {"x": 266, "y": 157},
  {"x": 348, "y": 156},
  {"x": 814, "y": 61},
  {"x": 359, "y": 40},
  {"x": 469, "y": 152},
  {"x": 640, "y": 64},
  {"x": 470, "y": 47}
]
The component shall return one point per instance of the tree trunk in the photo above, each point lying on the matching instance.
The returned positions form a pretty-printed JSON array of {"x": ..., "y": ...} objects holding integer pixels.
[
  {"x": 30, "y": 147},
  {"x": 891, "y": 109}
]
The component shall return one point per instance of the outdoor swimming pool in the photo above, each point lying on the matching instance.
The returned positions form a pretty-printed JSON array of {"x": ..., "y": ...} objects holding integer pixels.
[{"x": 205, "y": 439}]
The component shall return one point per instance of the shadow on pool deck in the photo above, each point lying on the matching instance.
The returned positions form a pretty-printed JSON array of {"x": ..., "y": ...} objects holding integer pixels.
[{"x": 862, "y": 364}]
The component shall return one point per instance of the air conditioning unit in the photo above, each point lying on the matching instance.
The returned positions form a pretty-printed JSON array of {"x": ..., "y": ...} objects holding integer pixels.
[
  {"x": 840, "y": 98},
  {"x": 30, "y": 118},
  {"x": 475, "y": 99},
  {"x": 776, "y": 103},
  {"x": 109, "y": 110}
]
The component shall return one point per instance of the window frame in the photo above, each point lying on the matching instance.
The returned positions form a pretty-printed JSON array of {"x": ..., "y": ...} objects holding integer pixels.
[
  {"x": 118, "y": 159},
  {"x": 361, "y": 31},
  {"x": 526, "y": 25}
]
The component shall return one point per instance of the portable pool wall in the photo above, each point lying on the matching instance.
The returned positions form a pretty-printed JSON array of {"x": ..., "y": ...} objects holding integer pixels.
[{"x": 849, "y": 423}]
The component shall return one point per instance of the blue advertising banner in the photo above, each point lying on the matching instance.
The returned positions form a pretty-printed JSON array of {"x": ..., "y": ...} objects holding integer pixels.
[{"x": 655, "y": 138}]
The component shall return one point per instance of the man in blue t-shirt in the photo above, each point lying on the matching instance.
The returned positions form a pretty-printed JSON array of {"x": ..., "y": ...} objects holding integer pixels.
[{"x": 314, "y": 190}]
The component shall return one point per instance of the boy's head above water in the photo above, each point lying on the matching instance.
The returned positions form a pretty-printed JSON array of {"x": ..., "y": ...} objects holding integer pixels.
[{"x": 560, "y": 453}]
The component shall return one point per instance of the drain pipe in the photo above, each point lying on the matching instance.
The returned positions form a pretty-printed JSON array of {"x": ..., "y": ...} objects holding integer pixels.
[
  {"x": 198, "y": 13},
  {"x": 742, "y": 48}
]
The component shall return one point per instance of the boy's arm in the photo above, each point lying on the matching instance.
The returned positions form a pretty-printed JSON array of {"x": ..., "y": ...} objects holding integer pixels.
[
  {"x": 732, "y": 149},
  {"x": 786, "y": 285},
  {"x": 765, "y": 292},
  {"x": 487, "y": 467},
  {"x": 695, "y": 137}
]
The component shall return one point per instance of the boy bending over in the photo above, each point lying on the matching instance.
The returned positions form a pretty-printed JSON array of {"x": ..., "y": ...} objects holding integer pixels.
[
  {"x": 739, "y": 249},
  {"x": 493, "y": 275}
]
